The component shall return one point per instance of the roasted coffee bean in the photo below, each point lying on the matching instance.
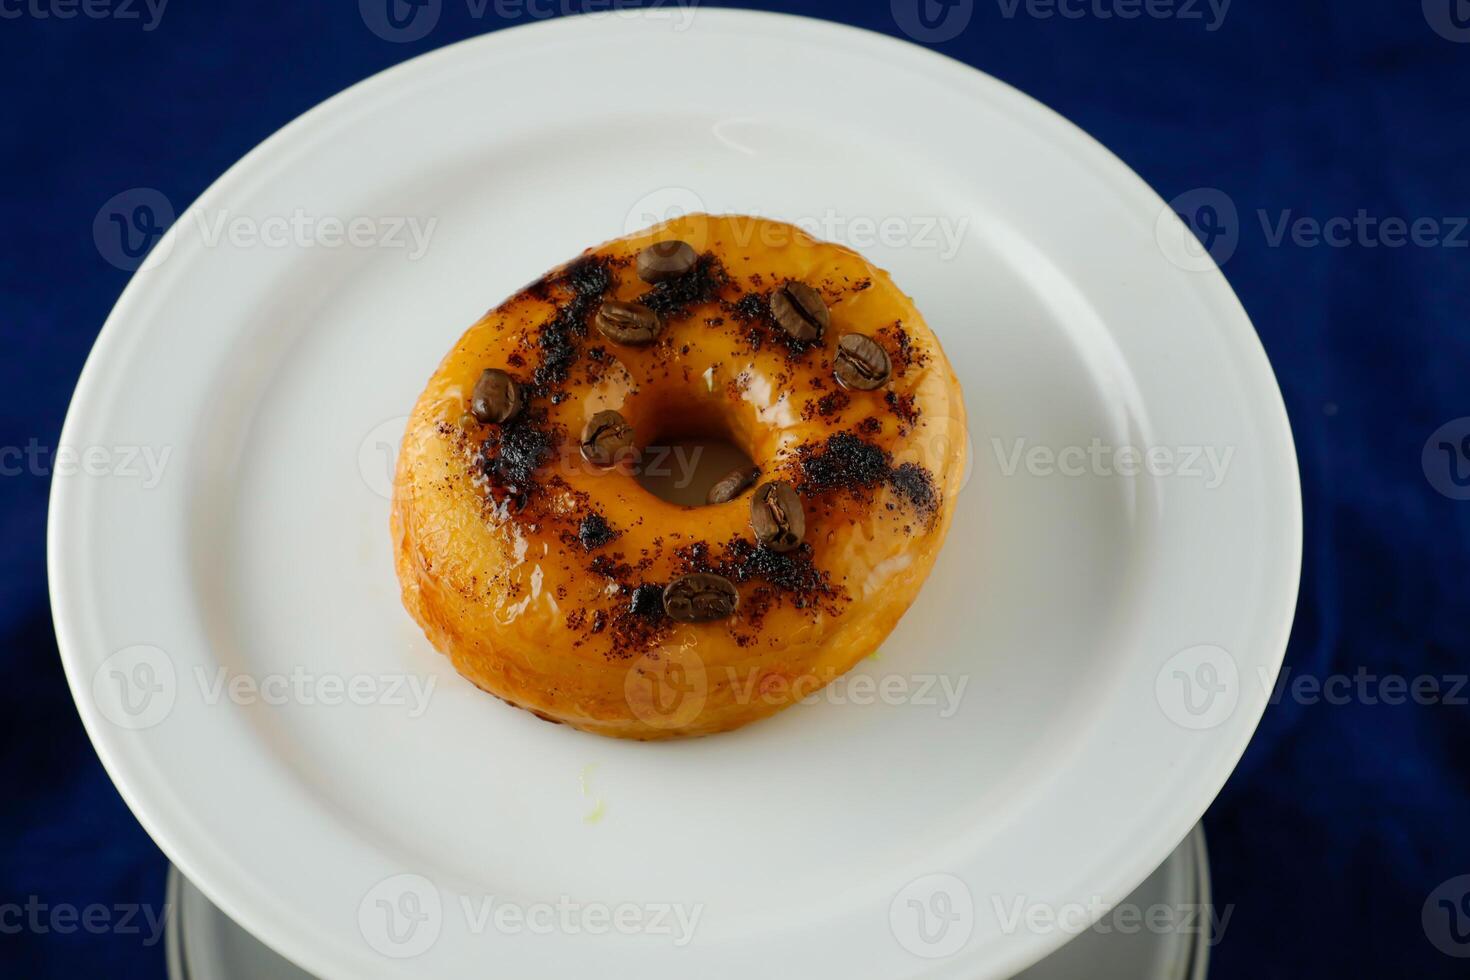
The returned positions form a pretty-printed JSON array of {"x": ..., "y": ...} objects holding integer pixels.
[
  {"x": 628, "y": 323},
  {"x": 776, "y": 516},
  {"x": 700, "y": 598},
  {"x": 605, "y": 438},
  {"x": 732, "y": 484},
  {"x": 665, "y": 260},
  {"x": 800, "y": 310},
  {"x": 496, "y": 398},
  {"x": 861, "y": 363}
]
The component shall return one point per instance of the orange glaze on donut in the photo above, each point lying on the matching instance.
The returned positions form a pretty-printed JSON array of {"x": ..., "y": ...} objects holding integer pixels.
[{"x": 507, "y": 574}]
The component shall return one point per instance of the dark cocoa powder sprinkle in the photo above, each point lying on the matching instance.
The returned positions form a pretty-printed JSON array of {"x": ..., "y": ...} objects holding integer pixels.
[
  {"x": 753, "y": 310},
  {"x": 792, "y": 572},
  {"x": 595, "y": 531},
  {"x": 914, "y": 484},
  {"x": 870, "y": 426},
  {"x": 901, "y": 350},
  {"x": 751, "y": 306},
  {"x": 903, "y": 407},
  {"x": 587, "y": 279},
  {"x": 638, "y": 626},
  {"x": 844, "y": 462},
  {"x": 832, "y": 403},
  {"x": 791, "y": 576},
  {"x": 512, "y": 456},
  {"x": 673, "y": 298},
  {"x": 647, "y": 601},
  {"x": 611, "y": 567}
]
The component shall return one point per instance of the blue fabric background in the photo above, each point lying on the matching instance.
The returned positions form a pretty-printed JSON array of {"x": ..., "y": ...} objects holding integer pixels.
[{"x": 1342, "y": 819}]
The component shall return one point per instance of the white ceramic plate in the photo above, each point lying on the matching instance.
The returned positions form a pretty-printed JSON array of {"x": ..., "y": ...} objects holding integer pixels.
[
  {"x": 1115, "y": 635},
  {"x": 203, "y": 944}
]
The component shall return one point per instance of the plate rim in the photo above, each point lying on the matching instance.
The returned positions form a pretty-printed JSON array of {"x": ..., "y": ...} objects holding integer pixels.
[{"x": 172, "y": 835}]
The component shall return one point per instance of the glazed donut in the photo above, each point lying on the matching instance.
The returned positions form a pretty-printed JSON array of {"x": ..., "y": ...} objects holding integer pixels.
[{"x": 530, "y": 554}]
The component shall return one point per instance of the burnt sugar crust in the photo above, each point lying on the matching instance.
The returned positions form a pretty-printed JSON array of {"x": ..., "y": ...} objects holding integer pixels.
[{"x": 531, "y": 556}]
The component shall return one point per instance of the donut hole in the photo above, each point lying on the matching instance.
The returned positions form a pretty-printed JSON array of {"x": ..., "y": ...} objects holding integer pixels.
[{"x": 680, "y": 464}]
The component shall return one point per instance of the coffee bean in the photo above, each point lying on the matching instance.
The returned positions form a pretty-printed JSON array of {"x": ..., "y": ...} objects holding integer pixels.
[
  {"x": 861, "y": 363},
  {"x": 732, "y": 484},
  {"x": 496, "y": 398},
  {"x": 700, "y": 598},
  {"x": 628, "y": 323},
  {"x": 776, "y": 516},
  {"x": 800, "y": 310},
  {"x": 665, "y": 260},
  {"x": 605, "y": 438}
]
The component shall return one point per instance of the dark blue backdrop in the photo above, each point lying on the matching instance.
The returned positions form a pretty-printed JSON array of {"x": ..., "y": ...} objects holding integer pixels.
[{"x": 1349, "y": 810}]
